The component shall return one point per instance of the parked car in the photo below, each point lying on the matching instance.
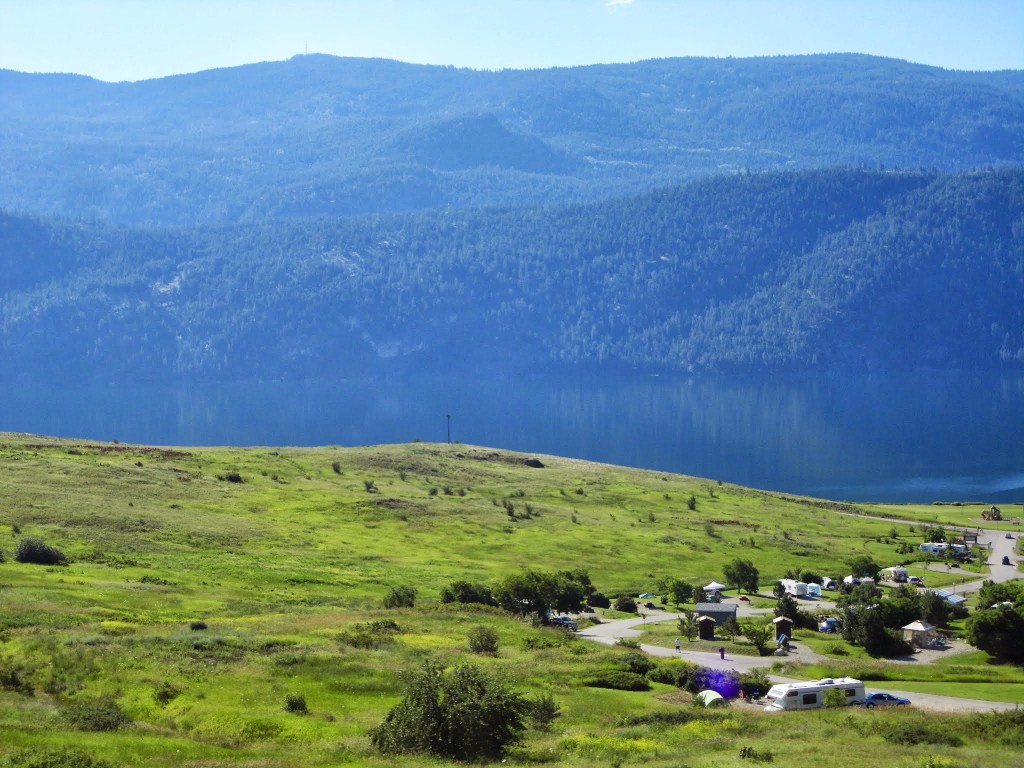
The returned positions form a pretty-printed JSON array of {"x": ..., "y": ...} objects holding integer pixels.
[
  {"x": 650, "y": 605},
  {"x": 1009, "y": 535},
  {"x": 873, "y": 700},
  {"x": 829, "y": 625},
  {"x": 565, "y": 622},
  {"x": 917, "y": 581},
  {"x": 1006, "y": 559}
]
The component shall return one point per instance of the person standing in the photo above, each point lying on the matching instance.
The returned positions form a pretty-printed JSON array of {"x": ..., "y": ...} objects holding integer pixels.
[{"x": 678, "y": 645}]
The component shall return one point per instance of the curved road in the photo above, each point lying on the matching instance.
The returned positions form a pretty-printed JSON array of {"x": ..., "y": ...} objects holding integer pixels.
[{"x": 610, "y": 632}]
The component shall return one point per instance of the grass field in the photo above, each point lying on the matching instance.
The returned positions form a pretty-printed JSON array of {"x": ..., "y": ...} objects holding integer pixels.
[{"x": 207, "y": 586}]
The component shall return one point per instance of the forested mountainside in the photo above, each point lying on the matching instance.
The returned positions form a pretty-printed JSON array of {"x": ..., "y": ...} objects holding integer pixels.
[
  {"x": 319, "y": 135},
  {"x": 848, "y": 269}
]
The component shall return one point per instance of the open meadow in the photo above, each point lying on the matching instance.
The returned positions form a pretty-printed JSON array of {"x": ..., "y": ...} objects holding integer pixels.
[{"x": 225, "y": 607}]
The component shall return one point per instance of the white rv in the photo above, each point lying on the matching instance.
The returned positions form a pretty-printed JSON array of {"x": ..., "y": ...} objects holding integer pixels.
[
  {"x": 794, "y": 587},
  {"x": 811, "y": 695}
]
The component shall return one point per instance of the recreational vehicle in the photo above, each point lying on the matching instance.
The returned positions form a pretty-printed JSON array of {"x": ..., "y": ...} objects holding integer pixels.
[{"x": 811, "y": 695}]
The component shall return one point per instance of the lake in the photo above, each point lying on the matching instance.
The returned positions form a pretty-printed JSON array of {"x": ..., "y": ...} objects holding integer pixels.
[{"x": 901, "y": 438}]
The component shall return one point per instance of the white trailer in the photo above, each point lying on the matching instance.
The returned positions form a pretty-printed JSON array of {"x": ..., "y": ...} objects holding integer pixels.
[
  {"x": 811, "y": 695},
  {"x": 794, "y": 587}
]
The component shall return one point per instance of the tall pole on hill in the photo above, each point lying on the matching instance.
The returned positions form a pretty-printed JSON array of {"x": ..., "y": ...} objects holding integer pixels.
[{"x": 449, "y": 417}]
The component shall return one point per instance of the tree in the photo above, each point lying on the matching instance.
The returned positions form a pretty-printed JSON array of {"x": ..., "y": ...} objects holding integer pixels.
[
  {"x": 688, "y": 625},
  {"x": 539, "y": 592},
  {"x": 679, "y": 591},
  {"x": 999, "y": 632},
  {"x": 37, "y": 551},
  {"x": 464, "y": 715},
  {"x": 863, "y": 566},
  {"x": 483, "y": 639},
  {"x": 731, "y": 627},
  {"x": 743, "y": 574},
  {"x": 759, "y": 635}
]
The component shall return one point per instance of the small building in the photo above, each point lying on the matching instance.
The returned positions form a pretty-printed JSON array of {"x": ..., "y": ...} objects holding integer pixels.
[
  {"x": 783, "y": 628},
  {"x": 706, "y": 628},
  {"x": 720, "y": 612},
  {"x": 919, "y": 633}
]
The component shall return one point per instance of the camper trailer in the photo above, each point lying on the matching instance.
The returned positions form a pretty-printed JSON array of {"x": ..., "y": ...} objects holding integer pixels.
[
  {"x": 811, "y": 695},
  {"x": 794, "y": 587}
]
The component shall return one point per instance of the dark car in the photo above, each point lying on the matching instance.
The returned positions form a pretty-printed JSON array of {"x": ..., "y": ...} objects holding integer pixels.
[
  {"x": 1006, "y": 559},
  {"x": 565, "y": 622},
  {"x": 873, "y": 700}
]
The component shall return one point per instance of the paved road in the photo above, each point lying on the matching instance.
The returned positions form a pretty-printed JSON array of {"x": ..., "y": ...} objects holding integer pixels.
[{"x": 610, "y": 632}]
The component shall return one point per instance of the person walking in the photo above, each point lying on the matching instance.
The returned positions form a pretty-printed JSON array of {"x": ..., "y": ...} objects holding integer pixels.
[{"x": 678, "y": 645}]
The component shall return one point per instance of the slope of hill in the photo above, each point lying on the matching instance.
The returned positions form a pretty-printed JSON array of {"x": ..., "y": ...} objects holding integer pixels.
[
  {"x": 318, "y": 135},
  {"x": 839, "y": 269},
  {"x": 225, "y": 607}
]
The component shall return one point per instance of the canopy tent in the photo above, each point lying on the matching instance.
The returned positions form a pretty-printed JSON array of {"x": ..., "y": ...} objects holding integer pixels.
[
  {"x": 714, "y": 586},
  {"x": 919, "y": 633}
]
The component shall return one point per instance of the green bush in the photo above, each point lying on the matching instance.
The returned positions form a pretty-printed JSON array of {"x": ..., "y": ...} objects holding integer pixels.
[
  {"x": 911, "y": 734},
  {"x": 466, "y": 592},
  {"x": 296, "y": 704},
  {"x": 400, "y": 597},
  {"x": 45, "y": 757},
  {"x": 483, "y": 640},
  {"x": 38, "y": 552},
  {"x": 100, "y": 713},
  {"x": 464, "y": 715},
  {"x": 625, "y": 603},
  {"x": 374, "y": 634},
  {"x": 542, "y": 711},
  {"x": 165, "y": 692},
  {"x": 14, "y": 676},
  {"x": 619, "y": 681}
]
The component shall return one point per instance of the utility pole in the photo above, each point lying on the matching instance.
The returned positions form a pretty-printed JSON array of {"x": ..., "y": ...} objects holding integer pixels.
[{"x": 449, "y": 417}]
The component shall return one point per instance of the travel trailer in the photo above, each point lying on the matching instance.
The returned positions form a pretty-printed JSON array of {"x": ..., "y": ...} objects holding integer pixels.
[{"x": 811, "y": 695}]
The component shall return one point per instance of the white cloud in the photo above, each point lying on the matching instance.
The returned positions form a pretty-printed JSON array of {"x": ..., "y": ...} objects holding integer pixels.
[{"x": 617, "y": 3}]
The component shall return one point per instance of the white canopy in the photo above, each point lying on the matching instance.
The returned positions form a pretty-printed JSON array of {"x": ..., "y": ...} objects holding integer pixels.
[{"x": 714, "y": 586}]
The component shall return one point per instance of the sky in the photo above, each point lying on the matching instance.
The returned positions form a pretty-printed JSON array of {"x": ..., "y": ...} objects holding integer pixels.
[{"x": 117, "y": 40}]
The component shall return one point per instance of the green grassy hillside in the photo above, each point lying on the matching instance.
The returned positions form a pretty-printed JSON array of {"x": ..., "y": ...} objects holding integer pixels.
[{"x": 205, "y": 586}]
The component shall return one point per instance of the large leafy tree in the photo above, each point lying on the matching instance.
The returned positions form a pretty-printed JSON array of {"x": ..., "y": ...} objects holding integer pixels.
[
  {"x": 743, "y": 574},
  {"x": 999, "y": 632}
]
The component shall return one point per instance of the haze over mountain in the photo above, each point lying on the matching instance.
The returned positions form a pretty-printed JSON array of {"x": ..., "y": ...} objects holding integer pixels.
[{"x": 340, "y": 217}]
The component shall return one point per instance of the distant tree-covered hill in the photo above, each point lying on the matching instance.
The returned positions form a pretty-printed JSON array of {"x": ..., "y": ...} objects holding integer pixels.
[
  {"x": 322, "y": 136},
  {"x": 845, "y": 269}
]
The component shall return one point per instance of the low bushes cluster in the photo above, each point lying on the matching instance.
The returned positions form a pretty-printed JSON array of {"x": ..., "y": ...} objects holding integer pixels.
[
  {"x": 483, "y": 639},
  {"x": 911, "y": 734},
  {"x": 99, "y": 713},
  {"x": 371, "y": 635},
  {"x": 618, "y": 680},
  {"x": 46, "y": 757}
]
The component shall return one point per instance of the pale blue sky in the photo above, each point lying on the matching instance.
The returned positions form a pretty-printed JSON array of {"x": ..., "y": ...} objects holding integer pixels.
[{"x": 141, "y": 39}]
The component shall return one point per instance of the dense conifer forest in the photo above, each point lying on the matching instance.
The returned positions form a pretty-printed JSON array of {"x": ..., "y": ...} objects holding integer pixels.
[{"x": 328, "y": 217}]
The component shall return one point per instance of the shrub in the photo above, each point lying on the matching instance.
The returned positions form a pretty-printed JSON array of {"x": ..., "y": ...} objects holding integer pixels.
[
  {"x": 370, "y": 636},
  {"x": 673, "y": 672},
  {"x": 542, "y": 711},
  {"x": 231, "y": 477},
  {"x": 61, "y": 757},
  {"x": 625, "y": 603},
  {"x": 165, "y": 692},
  {"x": 36, "y": 551},
  {"x": 639, "y": 663},
  {"x": 14, "y": 677},
  {"x": 101, "y": 713},
  {"x": 618, "y": 680},
  {"x": 749, "y": 753},
  {"x": 483, "y": 640},
  {"x": 466, "y": 592},
  {"x": 911, "y": 734},
  {"x": 598, "y": 600},
  {"x": 400, "y": 597},
  {"x": 465, "y": 715},
  {"x": 197, "y": 626},
  {"x": 296, "y": 704},
  {"x": 336, "y": 466},
  {"x": 370, "y": 486}
]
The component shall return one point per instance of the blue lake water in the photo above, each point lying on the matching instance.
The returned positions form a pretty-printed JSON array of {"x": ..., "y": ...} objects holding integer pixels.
[{"x": 919, "y": 437}]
